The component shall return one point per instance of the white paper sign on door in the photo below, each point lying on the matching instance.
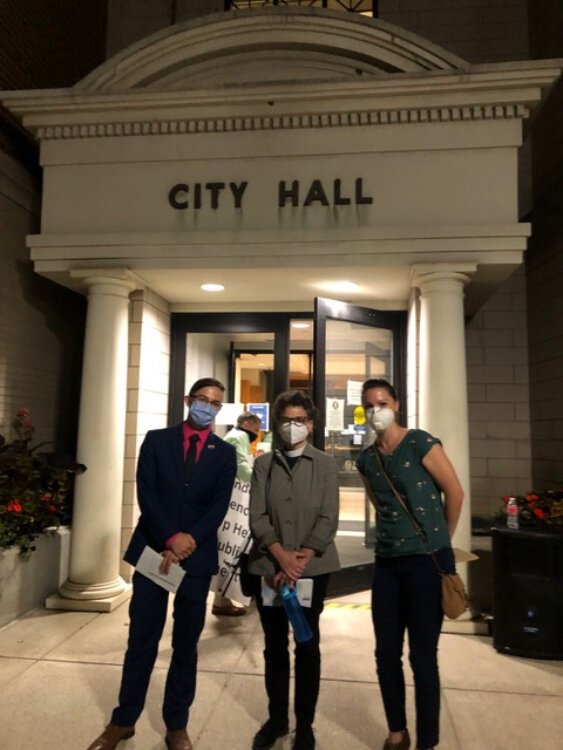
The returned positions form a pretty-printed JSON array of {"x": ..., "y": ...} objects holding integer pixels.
[{"x": 335, "y": 414}]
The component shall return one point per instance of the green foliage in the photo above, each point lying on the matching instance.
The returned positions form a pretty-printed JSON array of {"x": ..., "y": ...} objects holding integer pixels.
[{"x": 35, "y": 488}]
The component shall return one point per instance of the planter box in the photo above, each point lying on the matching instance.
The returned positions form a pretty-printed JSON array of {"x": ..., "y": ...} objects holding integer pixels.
[{"x": 25, "y": 584}]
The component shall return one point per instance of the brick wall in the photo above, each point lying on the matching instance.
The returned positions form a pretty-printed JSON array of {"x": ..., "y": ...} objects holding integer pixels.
[
  {"x": 545, "y": 316},
  {"x": 41, "y": 324},
  {"x": 544, "y": 261},
  {"x": 545, "y": 20},
  {"x": 498, "y": 386},
  {"x": 132, "y": 20},
  {"x": 476, "y": 30},
  {"x": 50, "y": 43}
]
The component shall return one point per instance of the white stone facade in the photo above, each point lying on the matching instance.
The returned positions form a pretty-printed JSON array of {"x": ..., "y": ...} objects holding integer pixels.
[{"x": 425, "y": 158}]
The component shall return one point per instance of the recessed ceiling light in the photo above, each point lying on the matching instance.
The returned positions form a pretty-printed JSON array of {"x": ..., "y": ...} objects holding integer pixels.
[
  {"x": 300, "y": 324},
  {"x": 212, "y": 287},
  {"x": 343, "y": 286}
]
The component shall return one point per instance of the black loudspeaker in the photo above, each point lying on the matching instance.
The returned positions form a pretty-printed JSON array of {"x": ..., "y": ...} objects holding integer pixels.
[{"x": 528, "y": 592}]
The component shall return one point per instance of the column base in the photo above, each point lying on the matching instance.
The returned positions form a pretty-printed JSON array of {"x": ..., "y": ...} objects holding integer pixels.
[
  {"x": 90, "y": 597},
  {"x": 108, "y": 604}
]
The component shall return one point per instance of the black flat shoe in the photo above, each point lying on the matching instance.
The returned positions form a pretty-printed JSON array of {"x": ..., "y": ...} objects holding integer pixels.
[
  {"x": 304, "y": 739},
  {"x": 266, "y": 736}
]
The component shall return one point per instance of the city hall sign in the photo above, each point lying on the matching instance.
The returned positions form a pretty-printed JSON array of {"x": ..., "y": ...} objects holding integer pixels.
[{"x": 290, "y": 193}]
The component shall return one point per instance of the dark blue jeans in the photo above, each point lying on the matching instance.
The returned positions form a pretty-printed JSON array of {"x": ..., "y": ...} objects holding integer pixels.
[
  {"x": 406, "y": 595},
  {"x": 307, "y": 658},
  {"x": 147, "y": 613}
]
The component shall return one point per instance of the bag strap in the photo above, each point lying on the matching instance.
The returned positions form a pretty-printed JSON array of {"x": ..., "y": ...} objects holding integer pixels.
[{"x": 417, "y": 527}]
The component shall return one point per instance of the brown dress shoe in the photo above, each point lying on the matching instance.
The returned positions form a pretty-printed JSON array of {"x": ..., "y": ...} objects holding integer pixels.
[
  {"x": 228, "y": 610},
  {"x": 404, "y": 744},
  {"x": 178, "y": 740},
  {"x": 111, "y": 737}
]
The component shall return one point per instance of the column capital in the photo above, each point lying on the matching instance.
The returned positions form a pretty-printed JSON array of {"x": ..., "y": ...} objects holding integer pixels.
[
  {"x": 115, "y": 281},
  {"x": 430, "y": 276}
]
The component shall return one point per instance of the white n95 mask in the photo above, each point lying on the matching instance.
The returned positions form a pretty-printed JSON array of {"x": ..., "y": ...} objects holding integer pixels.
[
  {"x": 380, "y": 419},
  {"x": 292, "y": 433}
]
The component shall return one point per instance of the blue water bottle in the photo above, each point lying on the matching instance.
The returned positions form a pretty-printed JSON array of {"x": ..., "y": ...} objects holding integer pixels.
[{"x": 301, "y": 630}]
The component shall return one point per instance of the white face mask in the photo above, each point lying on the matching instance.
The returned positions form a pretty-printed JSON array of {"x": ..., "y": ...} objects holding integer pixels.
[
  {"x": 380, "y": 419},
  {"x": 292, "y": 433}
]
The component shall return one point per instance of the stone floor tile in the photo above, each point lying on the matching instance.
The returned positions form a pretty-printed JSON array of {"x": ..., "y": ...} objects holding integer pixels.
[
  {"x": 36, "y": 634},
  {"x": 498, "y": 720}
]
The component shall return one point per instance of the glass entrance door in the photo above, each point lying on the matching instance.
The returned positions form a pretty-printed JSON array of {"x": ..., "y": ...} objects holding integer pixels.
[
  {"x": 352, "y": 344},
  {"x": 227, "y": 346},
  {"x": 259, "y": 355}
]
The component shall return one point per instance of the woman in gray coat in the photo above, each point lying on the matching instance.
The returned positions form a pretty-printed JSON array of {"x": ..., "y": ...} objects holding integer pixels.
[{"x": 293, "y": 519}]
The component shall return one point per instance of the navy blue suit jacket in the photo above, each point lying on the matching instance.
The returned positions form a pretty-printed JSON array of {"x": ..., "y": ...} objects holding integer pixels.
[{"x": 169, "y": 504}]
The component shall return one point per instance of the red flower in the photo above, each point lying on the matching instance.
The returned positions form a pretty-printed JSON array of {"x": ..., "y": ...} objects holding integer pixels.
[
  {"x": 46, "y": 498},
  {"x": 52, "y": 509},
  {"x": 15, "y": 506},
  {"x": 540, "y": 513}
]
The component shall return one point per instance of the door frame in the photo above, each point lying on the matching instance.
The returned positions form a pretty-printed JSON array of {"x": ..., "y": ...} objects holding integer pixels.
[
  {"x": 356, "y": 577},
  {"x": 392, "y": 320},
  {"x": 182, "y": 324}
]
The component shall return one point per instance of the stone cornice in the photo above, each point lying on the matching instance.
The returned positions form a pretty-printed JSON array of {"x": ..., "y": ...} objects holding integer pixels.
[
  {"x": 497, "y": 91},
  {"x": 282, "y": 122}
]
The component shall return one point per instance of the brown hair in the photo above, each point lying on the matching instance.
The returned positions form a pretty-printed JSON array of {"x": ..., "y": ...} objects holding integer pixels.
[
  {"x": 379, "y": 383},
  {"x": 206, "y": 383},
  {"x": 293, "y": 398}
]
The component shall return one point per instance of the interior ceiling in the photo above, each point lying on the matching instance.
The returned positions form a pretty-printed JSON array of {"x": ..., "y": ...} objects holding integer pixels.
[{"x": 277, "y": 285}]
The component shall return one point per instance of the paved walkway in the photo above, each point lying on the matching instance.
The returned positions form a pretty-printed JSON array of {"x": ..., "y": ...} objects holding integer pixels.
[{"x": 59, "y": 674}]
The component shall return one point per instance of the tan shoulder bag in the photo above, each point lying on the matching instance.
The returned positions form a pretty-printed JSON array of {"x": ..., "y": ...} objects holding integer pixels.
[{"x": 454, "y": 598}]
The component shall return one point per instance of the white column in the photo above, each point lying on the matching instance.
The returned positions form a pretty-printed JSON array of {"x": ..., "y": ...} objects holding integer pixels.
[
  {"x": 443, "y": 377},
  {"x": 94, "y": 582}
]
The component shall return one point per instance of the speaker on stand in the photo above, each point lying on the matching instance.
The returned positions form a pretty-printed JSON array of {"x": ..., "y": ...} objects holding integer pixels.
[{"x": 528, "y": 591}]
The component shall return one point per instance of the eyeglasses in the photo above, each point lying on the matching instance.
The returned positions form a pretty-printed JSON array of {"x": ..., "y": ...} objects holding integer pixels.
[
  {"x": 204, "y": 400},
  {"x": 294, "y": 420}
]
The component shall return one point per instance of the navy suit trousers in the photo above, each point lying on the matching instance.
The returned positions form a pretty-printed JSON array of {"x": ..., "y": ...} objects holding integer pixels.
[{"x": 147, "y": 613}]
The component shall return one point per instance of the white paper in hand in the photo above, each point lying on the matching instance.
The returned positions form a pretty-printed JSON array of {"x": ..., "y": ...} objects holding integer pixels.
[
  {"x": 304, "y": 587},
  {"x": 148, "y": 565}
]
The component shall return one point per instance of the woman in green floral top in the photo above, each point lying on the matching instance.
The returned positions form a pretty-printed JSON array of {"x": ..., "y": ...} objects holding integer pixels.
[{"x": 406, "y": 591}]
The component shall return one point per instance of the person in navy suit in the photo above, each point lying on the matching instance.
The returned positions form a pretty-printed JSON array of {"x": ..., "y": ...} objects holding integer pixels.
[{"x": 185, "y": 476}]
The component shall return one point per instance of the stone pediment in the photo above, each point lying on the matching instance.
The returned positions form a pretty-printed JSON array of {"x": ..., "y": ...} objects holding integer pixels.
[{"x": 268, "y": 46}]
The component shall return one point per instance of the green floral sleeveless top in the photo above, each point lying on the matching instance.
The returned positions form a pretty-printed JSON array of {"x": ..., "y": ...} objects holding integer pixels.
[{"x": 395, "y": 534}]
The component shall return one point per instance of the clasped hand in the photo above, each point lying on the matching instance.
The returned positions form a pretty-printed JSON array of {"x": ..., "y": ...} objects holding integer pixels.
[
  {"x": 181, "y": 547},
  {"x": 293, "y": 564}
]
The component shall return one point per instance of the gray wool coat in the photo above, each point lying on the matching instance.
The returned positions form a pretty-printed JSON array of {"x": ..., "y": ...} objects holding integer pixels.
[{"x": 297, "y": 508}]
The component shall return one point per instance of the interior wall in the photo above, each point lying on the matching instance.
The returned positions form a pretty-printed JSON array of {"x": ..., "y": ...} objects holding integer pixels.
[{"x": 207, "y": 356}]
